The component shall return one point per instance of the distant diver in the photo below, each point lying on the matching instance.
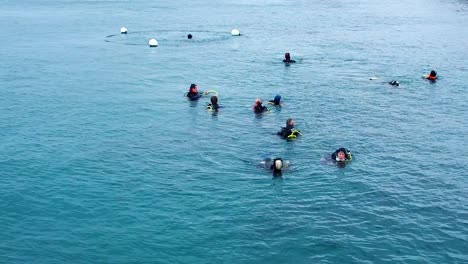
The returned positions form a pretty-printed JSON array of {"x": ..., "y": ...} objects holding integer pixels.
[
  {"x": 276, "y": 101},
  {"x": 341, "y": 155},
  {"x": 431, "y": 76},
  {"x": 258, "y": 107},
  {"x": 289, "y": 132},
  {"x": 275, "y": 165},
  {"x": 213, "y": 106},
  {"x": 392, "y": 82},
  {"x": 193, "y": 93},
  {"x": 287, "y": 58}
]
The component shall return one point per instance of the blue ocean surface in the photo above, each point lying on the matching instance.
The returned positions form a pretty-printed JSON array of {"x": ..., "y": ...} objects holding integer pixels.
[{"x": 103, "y": 160}]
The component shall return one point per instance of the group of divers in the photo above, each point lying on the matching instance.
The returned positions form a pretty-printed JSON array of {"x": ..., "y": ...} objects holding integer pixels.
[{"x": 340, "y": 156}]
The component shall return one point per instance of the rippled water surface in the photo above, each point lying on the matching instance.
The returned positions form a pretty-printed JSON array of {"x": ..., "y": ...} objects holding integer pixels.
[{"x": 102, "y": 159}]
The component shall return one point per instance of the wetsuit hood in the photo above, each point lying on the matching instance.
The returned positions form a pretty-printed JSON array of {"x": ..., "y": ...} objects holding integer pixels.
[
  {"x": 277, "y": 99},
  {"x": 345, "y": 151},
  {"x": 276, "y": 166},
  {"x": 289, "y": 123},
  {"x": 214, "y": 100}
]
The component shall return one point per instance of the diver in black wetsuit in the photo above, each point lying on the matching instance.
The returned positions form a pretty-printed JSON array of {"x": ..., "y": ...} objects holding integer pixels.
[
  {"x": 214, "y": 104},
  {"x": 287, "y": 58},
  {"x": 289, "y": 130},
  {"x": 275, "y": 165},
  {"x": 193, "y": 93},
  {"x": 341, "y": 155},
  {"x": 258, "y": 108}
]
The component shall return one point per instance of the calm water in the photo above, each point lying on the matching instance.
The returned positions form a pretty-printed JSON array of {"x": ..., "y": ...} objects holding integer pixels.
[{"x": 102, "y": 159}]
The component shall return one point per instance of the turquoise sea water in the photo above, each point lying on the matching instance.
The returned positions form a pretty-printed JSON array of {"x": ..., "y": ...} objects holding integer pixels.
[{"x": 102, "y": 159}]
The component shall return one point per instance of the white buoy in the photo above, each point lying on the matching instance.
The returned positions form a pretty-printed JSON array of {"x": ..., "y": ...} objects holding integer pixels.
[
  {"x": 235, "y": 32},
  {"x": 153, "y": 43},
  {"x": 123, "y": 30}
]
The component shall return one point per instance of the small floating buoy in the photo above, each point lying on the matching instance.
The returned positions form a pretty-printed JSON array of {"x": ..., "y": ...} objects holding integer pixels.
[
  {"x": 123, "y": 30},
  {"x": 153, "y": 43},
  {"x": 189, "y": 36},
  {"x": 235, "y": 32}
]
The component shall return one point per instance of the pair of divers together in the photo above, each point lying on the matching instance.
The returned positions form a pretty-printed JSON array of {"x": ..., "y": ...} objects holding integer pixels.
[
  {"x": 193, "y": 95},
  {"x": 288, "y": 132},
  {"x": 340, "y": 157},
  {"x": 259, "y": 108},
  {"x": 432, "y": 77}
]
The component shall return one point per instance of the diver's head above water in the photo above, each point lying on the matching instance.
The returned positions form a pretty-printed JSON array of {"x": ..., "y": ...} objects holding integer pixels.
[
  {"x": 214, "y": 100},
  {"x": 432, "y": 76},
  {"x": 276, "y": 166},
  {"x": 341, "y": 155},
  {"x": 258, "y": 107},
  {"x": 193, "y": 88},
  {"x": 290, "y": 122},
  {"x": 287, "y": 58}
]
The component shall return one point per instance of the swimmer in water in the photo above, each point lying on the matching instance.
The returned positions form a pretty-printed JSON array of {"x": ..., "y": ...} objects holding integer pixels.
[
  {"x": 275, "y": 165},
  {"x": 214, "y": 104},
  {"x": 276, "y": 101},
  {"x": 287, "y": 58},
  {"x": 189, "y": 36},
  {"x": 432, "y": 76},
  {"x": 289, "y": 132},
  {"x": 342, "y": 155},
  {"x": 392, "y": 82},
  {"x": 193, "y": 93},
  {"x": 258, "y": 108}
]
